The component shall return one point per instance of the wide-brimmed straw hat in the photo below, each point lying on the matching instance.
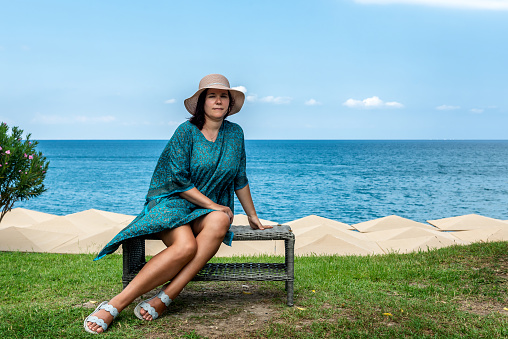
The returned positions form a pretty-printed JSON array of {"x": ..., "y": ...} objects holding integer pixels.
[{"x": 219, "y": 82}]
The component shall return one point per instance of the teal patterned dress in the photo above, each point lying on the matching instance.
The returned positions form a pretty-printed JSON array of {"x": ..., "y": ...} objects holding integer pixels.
[{"x": 189, "y": 160}]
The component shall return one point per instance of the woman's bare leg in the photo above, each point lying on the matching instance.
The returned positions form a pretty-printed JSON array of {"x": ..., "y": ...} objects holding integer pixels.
[
  {"x": 210, "y": 231},
  {"x": 160, "y": 269}
]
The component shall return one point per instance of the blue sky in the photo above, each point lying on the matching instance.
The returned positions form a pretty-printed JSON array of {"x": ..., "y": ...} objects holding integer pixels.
[{"x": 329, "y": 69}]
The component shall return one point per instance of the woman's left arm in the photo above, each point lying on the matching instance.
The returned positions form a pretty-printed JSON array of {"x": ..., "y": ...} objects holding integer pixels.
[{"x": 245, "y": 198}]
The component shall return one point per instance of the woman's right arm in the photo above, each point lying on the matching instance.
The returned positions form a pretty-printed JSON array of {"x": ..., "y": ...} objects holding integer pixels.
[{"x": 197, "y": 198}]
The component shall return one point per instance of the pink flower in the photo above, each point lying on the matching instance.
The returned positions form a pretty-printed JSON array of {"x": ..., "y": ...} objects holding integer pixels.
[
  {"x": 30, "y": 157},
  {"x": 0, "y": 148},
  {"x": 26, "y": 155},
  {"x": 7, "y": 152}
]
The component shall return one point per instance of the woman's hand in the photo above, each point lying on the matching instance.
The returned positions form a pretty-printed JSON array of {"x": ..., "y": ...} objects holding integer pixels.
[
  {"x": 197, "y": 198},
  {"x": 255, "y": 224},
  {"x": 245, "y": 198},
  {"x": 224, "y": 209}
]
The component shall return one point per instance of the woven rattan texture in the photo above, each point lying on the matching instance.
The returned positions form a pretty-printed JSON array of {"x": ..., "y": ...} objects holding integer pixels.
[
  {"x": 134, "y": 260},
  {"x": 242, "y": 272}
]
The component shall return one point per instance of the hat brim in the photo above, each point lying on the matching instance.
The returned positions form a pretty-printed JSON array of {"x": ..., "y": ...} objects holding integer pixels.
[{"x": 238, "y": 96}]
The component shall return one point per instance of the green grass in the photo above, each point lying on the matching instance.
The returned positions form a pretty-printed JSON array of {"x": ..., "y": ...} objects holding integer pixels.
[{"x": 459, "y": 291}]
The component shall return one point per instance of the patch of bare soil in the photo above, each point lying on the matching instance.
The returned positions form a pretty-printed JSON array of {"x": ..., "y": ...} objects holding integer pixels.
[
  {"x": 221, "y": 310},
  {"x": 89, "y": 304},
  {"x": 502, "y": 268},
  {"x": 482, "y": 307},
  {"x": 485, "y": 307}
]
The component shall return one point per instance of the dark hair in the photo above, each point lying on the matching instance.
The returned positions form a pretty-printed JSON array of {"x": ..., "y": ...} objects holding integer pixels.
[{"x": 198, "y": 118}]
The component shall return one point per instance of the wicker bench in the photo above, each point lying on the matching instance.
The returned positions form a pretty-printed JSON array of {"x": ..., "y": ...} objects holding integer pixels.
[{"x": 134, "y": 259}]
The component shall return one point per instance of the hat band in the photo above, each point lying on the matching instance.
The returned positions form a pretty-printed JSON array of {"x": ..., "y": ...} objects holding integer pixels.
[{"x": 217, "y": 83}]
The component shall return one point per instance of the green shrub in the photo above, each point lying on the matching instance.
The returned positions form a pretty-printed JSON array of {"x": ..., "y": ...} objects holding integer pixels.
[{"x": 22, "y": 169}]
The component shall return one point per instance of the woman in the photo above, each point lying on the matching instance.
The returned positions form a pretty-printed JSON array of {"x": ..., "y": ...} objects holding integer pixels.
[{"x": 189, "y": 204}]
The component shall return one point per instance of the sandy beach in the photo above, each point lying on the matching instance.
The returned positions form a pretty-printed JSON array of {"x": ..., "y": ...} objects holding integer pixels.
[{"x": 88, "y": 231}]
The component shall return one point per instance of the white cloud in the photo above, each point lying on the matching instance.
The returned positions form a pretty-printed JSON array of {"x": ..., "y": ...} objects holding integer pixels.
[
  {"x": 477, "y": 110},
  {"x": 468, "y": 4},
  {"x": 373, "y": 102},
  {"x": 394, "y": 104},
  {"x": 270, "y": 99},
  {"x": 49, "y": 119},
  {"x": 447, "y": 108},
  {"x": 240, "y": 88},
  {"x": 276, "y": 100},
  {"x": 170, "y": 101},
  {"x": 353, "y": 103},
  {"x": 312, "y": 102}
]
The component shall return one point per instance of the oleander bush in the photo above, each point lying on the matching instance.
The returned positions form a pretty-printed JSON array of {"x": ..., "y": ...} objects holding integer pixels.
[{"x": 22, "y": 168}]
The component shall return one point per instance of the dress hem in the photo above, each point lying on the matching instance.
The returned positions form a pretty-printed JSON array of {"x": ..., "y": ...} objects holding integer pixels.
[{"x": 228, "y": 238}]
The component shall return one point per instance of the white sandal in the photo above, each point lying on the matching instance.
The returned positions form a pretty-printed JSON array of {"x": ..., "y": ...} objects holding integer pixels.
[
  {"x": 147, "y": 307},
  {"x": 93, "y": 319}
]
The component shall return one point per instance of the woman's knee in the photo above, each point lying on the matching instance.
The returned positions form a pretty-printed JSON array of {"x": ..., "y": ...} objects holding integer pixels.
[
  {"x": 217, "y": 222},
  {"x": 186, "y": 250}
]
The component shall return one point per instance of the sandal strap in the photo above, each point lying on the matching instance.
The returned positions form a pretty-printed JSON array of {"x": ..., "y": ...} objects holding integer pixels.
[
  {"x": 98, "y": 321},
  {"x": 111, "y": 309},
  {"x": 164, "y": 298},
  {"x": 147, "y": 307}
]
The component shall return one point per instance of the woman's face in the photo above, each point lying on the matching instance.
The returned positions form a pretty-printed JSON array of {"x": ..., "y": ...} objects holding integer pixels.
[{"x": 216, "y": 104}]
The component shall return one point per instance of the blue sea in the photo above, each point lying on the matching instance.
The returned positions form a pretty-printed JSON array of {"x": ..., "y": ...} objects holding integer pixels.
[{"x": 345, "y": 180}]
